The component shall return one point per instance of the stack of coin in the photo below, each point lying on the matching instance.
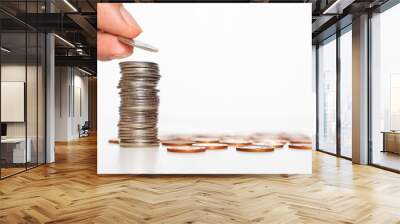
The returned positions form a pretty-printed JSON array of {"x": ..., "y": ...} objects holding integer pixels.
[{"x": 139, "y": 104}]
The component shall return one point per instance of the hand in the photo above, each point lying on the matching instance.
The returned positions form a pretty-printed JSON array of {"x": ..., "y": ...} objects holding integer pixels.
[{"x": 114, "y": 20}]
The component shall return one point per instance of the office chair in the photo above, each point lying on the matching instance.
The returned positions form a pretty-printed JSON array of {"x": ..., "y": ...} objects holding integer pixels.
[{"x": 84, "y": 130}]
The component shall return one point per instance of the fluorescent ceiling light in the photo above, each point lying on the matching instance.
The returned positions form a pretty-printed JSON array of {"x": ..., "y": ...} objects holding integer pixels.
[
  {"x": 64, "y": 40},
  {"x": 80, "y": 51},
  {"x": 70, "y": 5},
  {"x": 84, "y": 71},
  {"x": 5, "y": 50},
  {"x": 338, "y": 6}
]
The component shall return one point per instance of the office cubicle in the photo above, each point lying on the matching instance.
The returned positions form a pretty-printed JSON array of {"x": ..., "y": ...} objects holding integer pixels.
[{"x": 22, "y": 77}]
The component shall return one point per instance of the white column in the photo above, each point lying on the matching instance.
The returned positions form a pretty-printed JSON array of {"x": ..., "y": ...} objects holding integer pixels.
[
  {"x": 360, "y": 90},
  {"x": 50, "y": 92},
  {"x": 50, "y": 99}
]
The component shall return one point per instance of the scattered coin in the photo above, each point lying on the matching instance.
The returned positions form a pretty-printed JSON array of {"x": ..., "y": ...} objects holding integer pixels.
[
  {"x": 206, "y": 140},
  {"x": 301, "y": 141},
  {"x": 113, "y": 141},
  {"x": 255, "y": 148},
  {"x": 212, "y": 146},
  {"x": 138, "y": 145},
  {"x": 176, "y": 137},
  {"x": 236, "y": 142},
  {"x": 278, "y": 145},
  {"x": 186, "y": 149},
  {"x": 275, "y": 145},
  {"x": 300, "y": 146},
  {"x": 177, "y": 143},
  {"x": 138, "y": 110}
]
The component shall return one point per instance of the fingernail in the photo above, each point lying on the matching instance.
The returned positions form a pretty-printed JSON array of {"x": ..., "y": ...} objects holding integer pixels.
[
  {"x": 128, "y": 17},
  {"x": 123, "y": 54}
]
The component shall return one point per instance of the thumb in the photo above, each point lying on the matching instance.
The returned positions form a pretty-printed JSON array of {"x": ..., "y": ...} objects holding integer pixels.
[{"x": 113, "y": 18}]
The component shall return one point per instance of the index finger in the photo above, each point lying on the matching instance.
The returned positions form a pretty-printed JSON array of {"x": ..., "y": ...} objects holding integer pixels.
[{"x": 113, "y": 18}]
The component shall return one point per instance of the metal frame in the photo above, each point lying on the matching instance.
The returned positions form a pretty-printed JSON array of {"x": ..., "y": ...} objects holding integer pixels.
[
  {"x": 327, "y": 39},
  {"x": 317, "y": 96},
  {"x": 44, "y": 73},
  {"x": 338, "y": 98},
  {"x": 369, "y": 77},
  {"x": 0, "y": 92},
  {"x": 389, "y": 4},
  {"x": 341, "y": 31},
  {"x": 26, "y": 90}
]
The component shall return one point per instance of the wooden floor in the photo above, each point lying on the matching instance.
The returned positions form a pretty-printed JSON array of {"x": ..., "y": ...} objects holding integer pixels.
[
  {"x": 5, "y": 172},
  {"x": 69, "y": 191},
  {"x": 387, "y": 159}
]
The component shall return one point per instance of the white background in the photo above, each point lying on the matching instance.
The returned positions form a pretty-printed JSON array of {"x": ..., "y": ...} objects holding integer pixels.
[{"x": 226, "y": 68}]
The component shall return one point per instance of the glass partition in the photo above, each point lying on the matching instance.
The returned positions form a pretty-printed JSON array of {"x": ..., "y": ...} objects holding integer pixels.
[
  {"x": 327, "y": 95},
  {"x": 22, "y": 88},
  {"x": 14, "y": 153}
]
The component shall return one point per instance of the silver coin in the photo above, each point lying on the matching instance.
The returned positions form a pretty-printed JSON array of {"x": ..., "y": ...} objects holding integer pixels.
[
  {"x": 145, "y": 72},
  {"x": 136, "y": 130},
  {"x": 150, "y": 141},
  {"x": 138, "y": 64},
  {"x": 139, "y": 101}
]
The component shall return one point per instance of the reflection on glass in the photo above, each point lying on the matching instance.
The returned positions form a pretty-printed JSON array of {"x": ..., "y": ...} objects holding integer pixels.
[
  {"x": 386, "y": 89},
  {"x": 327, "y": 96},
  {"x": 41, "y": 99},
  {"x": 14, "y": 153},
  {"x": 22, "y": 89},
  {"x": 31, "y": 100},
  {"x": 346, "y": 93}
]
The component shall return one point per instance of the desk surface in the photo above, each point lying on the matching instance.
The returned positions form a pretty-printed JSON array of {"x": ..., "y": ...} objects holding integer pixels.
[
  {"x": 115, "y": 160},
  {"x": 391, "y": 132},
  {"x": 13, "y": 140}
]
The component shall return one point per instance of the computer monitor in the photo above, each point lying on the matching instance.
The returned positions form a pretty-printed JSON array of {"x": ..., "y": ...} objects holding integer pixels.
[{"x": 3, "y": 129}]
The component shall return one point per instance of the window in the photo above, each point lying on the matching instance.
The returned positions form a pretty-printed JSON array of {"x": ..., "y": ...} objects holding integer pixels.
[
  {"x": 327, "y": 96},
  {"x": 385, "y": 89},
  {"x": 346, "y": 93}
]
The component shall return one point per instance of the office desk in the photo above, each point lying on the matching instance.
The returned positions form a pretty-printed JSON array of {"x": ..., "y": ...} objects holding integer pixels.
[
  {"x": 13, "y": 150},
  {"x": 391, "y": 141}
]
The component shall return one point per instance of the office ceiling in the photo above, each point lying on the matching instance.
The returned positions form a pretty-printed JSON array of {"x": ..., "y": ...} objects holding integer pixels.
[{"x": 74, "y": 21}]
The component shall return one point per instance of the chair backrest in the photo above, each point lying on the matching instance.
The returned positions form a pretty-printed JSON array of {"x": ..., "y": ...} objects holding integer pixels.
[{"x": 86, "y": 125}]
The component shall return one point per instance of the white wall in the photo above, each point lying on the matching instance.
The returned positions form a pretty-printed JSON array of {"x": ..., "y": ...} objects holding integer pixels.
[
  {"x": 33, "y": 127},
  {"x": 80, "y": 84},
  {"x": 69, "y": 82},
  {"x": 12, "y": 73},
  {"x": 62, "y": 81}
]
